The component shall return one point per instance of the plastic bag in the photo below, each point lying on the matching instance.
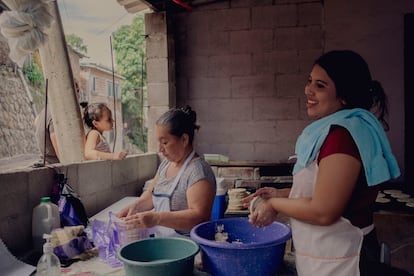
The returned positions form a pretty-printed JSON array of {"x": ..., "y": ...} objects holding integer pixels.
[
  {"x": 72, "y": 212},
  {"x": 71, "y": 244},
  {"x": 109, "y": 236}
]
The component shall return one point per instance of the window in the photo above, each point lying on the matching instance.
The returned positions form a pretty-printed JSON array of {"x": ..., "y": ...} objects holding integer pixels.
[
  {"x": 110, "y": 89},
  {"x": 92, "y": 84},
  {"x": 117, "y": 91}
]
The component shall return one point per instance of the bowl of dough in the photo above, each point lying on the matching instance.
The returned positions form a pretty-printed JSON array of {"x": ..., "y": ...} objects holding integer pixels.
[{"x": 233, "y": 246}]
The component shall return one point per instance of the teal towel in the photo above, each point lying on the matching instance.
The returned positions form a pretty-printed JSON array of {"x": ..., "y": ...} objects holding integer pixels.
[{"x": 379, "y": 163}]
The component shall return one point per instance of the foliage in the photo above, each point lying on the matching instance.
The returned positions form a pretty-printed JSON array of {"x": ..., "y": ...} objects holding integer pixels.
[
  {"x": 129, "y": 47},
  {"x": 33, "y": 73},
  {"x": 76, "y": 42}
]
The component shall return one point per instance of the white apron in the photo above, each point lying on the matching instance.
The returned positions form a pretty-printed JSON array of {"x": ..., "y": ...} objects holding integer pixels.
[
  {"x": 162, "y": 203},
  {"x": 323, "y": 250}
]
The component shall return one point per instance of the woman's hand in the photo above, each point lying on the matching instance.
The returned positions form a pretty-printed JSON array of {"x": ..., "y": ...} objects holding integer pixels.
[
  {"x": 143, "y": 220},
  {"x": 128, "y": 211},
  {"x": 263, "y": 214},
  {"x": 119, "y": 155},
  {"x": 265, "y": 193}
]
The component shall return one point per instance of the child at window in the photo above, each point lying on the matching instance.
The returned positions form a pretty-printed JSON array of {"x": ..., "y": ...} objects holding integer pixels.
[{"x": 98, "y": 118}]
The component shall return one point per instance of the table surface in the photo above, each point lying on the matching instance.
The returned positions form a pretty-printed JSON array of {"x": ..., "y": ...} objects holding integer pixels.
[{"x": 96, "y": 266}]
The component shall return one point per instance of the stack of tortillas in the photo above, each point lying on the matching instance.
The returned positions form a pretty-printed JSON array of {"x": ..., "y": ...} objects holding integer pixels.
[
  {"x": 235, "y": 198},
  {"x": 399, "y": 196}
]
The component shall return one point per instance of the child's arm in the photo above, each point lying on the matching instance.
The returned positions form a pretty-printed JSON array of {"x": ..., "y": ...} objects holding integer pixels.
[{"x": 92, "y": 139}]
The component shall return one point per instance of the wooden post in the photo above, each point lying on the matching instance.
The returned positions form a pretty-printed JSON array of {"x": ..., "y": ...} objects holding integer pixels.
[{"x": 63, "y": 102}]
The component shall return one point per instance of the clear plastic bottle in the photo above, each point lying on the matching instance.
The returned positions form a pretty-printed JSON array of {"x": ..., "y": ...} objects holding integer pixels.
[
  {"x": 48, "y": 264},
  {"x": 45, "y": 218}
]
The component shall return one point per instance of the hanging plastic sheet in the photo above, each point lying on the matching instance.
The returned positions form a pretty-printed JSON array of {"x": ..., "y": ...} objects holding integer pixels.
[{"x": 25, "y": 26}]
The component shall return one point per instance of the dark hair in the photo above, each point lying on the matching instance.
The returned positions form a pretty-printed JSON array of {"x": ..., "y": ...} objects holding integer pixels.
[
  {"x": 353, "y": 82},
  {"x": 94, "y": 112},
  {"x": 180, "y": 121}
]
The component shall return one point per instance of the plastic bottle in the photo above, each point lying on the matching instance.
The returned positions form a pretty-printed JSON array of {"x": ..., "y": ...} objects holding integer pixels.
[
  {"x": 48, "y": 264},
  {"x": 45, "y": 218}
]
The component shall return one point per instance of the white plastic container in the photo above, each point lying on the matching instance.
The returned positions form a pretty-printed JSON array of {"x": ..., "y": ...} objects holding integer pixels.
[
  {"x": 45, "y": 218},
  {"x": 48, "y": 264}
]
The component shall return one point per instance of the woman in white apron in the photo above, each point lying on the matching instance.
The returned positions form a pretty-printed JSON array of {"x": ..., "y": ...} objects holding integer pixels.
[
  {"x": 181, "y": 194},
  {"x": 341, "y": 156}
]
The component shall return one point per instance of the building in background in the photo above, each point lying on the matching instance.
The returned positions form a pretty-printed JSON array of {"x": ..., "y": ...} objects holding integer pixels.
[{"x": 99, "y": 84}]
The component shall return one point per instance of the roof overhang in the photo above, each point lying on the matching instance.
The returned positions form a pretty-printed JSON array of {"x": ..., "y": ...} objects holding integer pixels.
[{"x": 134, "y": 6}]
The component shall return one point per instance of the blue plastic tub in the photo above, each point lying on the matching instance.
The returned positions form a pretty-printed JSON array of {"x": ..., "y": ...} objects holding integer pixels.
[
  {"x": 260, "y": 252},
  {"x": 159, "y": 257}
]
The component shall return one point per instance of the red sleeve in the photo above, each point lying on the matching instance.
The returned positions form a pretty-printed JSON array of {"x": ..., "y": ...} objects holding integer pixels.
[{"x": 339, "y": 140}]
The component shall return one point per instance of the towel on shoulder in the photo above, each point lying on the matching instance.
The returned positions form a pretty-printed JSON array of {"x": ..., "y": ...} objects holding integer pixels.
[{"x": 379, "y": 163}]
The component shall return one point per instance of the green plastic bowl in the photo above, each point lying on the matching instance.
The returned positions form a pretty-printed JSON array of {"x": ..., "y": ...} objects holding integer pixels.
[{"x": 159, "y": 256}]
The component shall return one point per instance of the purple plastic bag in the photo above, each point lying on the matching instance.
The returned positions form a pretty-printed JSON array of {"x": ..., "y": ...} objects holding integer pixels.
[{"x": 105, "y": 236}]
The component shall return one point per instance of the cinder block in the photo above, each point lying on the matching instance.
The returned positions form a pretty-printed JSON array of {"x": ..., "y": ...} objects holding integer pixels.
[
  {"x": 253, "y": 86},
  {"x": 230, "y": 20},
  {"x": 156, "y": 46},
  {"x": 310, "y": 14},
  {"x": 157, "y": 70},
  {"x": 209, "y": 87},
  {"x": 158, "y": 93},
  {"x": 291, "y": 85},
  {"x": 237, "y": 172},
  {"x": 270, "y": 108},
  {"x": 274, "y": 16},
  {"x": 258, "y": 41}
]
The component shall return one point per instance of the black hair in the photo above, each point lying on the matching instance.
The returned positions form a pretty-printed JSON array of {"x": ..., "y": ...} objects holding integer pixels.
[
  {"x": 354, "y": 84},
  {"x": 179, "y": 121},
  {"x": 94, "y": 112}
]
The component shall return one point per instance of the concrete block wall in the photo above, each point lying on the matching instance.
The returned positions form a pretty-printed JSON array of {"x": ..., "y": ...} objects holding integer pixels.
[
  {"x": 250, "y": 176},
  {"x": 242, "y": 65},
  {"x": 160, "y": 63},
  {"x": 98, "y": 183}
]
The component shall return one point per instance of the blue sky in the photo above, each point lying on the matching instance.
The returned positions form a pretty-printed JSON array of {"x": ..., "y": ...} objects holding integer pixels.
[{"x": 94, "y": 21}]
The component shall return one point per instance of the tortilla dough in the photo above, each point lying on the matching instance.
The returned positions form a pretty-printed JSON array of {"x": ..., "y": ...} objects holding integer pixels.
[
  {"x": 390, "y": 192},
  {"x": 406, "y": 200},
  {"x": 382, "y": 200},
  {"x": 401, "y": 195}
]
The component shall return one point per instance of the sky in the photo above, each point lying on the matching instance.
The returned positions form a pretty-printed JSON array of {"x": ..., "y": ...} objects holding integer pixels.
[{"x": 94, "y": 21}]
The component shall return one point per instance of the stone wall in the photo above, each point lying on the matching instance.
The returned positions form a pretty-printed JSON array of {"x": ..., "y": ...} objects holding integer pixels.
[
  {"x": 16, "y": 116},
  {"x": 16, "y": 110}
]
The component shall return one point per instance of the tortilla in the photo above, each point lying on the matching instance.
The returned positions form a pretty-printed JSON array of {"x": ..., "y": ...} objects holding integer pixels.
[
  {"x": 382, "y": 200},
  {"x": 407, "y": 199},
  {"x": 402, "y": 195},
  {"x": 390, "y": 192},
  {"x": 410, "y": 204},
  {"x": 380, "y": 195}
]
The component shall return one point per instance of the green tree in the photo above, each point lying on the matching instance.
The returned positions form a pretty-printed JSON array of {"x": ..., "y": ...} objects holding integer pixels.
[
  {"x": 129, "y": 47},
  {"x": 76, "y": 42}
]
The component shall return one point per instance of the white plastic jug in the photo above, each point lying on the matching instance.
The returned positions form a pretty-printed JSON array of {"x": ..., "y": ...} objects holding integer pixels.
[{"x": 45, "y": 218}]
